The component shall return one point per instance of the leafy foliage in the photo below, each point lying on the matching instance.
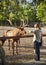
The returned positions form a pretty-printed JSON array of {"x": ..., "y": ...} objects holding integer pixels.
[
  {"x": 21, "y": 10},
  {"x": 41, "y": 11}
]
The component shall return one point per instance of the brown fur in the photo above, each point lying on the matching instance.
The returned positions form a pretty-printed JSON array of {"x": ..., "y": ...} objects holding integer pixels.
[{"x": 15, "y": 32}]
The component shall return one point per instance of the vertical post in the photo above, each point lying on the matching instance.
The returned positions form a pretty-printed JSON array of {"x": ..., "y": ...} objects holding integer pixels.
[
  {"x": 13, "y": 47},
  {"x": 9, "y": 44},
  {"x": 17, "y": 47}
]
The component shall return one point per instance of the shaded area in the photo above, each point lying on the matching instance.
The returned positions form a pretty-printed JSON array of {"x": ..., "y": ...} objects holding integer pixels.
[
  {"x": 2, "y": 55},
  {"x": 23, "y": 60},
  {"x": 26, "y": 62}
]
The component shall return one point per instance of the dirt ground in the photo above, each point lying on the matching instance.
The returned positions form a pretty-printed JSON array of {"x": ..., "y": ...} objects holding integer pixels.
[{"x": 25, "y": 54}]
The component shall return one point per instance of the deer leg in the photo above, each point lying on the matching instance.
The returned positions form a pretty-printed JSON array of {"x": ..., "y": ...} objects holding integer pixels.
[
  {"x": 13, "y": 46},
  {"x": 17, "y": 47},
  {"x": 19, "y": 41},
  {"x": 3, "y": 42},
  {"x": 9, "y": 44}
]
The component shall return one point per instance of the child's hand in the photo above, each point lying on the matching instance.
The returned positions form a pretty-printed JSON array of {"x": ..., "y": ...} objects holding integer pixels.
[{"x": 29, "y": 31}]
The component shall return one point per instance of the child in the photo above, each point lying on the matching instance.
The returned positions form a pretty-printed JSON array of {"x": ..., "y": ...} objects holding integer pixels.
[{"x": 37, "y": 39}]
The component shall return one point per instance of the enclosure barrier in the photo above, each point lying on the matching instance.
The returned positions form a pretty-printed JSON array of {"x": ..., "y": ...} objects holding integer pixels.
[{"x": 17, "y": 39}]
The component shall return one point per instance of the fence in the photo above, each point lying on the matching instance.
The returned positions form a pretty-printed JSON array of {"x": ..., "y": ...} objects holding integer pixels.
[{"x": 17, "y": 39}]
